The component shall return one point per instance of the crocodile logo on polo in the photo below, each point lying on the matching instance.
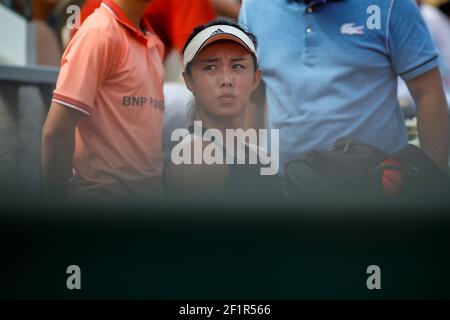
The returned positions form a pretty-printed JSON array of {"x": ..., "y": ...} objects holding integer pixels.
[{"x": 352, "y": 29}]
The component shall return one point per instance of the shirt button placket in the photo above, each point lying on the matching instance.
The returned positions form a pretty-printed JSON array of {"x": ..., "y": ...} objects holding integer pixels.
[
  {"x": 309, "y": 36},
  {"x": 309, "y": 28}
]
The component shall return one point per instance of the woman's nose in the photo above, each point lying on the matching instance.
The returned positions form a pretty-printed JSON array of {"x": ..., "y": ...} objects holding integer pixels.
[{"x": 226, "y": 78}]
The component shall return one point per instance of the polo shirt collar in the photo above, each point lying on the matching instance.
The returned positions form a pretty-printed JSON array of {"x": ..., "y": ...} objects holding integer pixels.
[
  {"x": 312, "y": 3},
  {"x": 117, "y": 12}
]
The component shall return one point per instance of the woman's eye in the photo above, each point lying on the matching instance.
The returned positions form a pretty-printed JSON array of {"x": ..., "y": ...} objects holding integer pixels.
[
  {"x": 210, "y": 67},
  {"x": 238, "y": 66}
]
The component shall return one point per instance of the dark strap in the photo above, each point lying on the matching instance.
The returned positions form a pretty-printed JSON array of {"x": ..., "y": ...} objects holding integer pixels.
[{"x": 418, "y": 161}]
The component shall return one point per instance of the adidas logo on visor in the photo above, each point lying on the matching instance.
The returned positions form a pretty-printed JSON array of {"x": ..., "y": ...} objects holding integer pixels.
[
  {"x": 218, "y": 31},
  {"x": 197, "y": 43}
]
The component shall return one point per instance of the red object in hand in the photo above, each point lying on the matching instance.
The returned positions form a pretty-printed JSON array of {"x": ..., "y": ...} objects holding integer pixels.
[{"x": 392, "y": 179}]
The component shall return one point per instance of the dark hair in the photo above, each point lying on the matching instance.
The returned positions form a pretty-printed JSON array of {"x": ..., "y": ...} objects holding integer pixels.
[{"x": 216, "y": 22}]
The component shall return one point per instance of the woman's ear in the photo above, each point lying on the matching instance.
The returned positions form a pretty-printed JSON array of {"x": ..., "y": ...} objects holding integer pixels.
[
  {"x": 256, "y": 79},
  {"x": 188, "y": 81}
]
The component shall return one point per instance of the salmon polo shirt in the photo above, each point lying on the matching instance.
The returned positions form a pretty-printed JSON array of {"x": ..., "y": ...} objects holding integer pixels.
[{"x": 113, "y": 74}]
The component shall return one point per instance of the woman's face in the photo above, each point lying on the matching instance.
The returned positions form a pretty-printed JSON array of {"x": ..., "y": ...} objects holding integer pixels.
[{"x": 222, "y": 79}]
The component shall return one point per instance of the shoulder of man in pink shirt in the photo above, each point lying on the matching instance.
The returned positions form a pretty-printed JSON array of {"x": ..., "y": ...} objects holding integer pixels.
[{"x": 171, "y": 20}]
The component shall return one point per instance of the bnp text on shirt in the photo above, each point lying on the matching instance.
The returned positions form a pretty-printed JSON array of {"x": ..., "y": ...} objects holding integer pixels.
[{"x": 132, "y": 101}]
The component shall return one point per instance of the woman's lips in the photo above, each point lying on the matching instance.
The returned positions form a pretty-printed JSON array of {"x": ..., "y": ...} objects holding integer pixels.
[{"x": 228, "y": 97}]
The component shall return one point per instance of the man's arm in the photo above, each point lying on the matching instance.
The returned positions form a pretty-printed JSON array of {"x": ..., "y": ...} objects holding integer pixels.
[
  {"x": 226, "y": 8},
  {"x": 432, "y": 116},
  {"x": 58, "y": 142}
]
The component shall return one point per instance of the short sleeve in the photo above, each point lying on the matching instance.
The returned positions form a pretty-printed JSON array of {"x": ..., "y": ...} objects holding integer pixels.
[
  {"x": 84, "y": 66},
  {"x": 409, "y": 42}
]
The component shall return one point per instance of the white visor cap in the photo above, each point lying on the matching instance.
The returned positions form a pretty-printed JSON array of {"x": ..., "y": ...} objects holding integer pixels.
[{"x": 213, "y": 34}]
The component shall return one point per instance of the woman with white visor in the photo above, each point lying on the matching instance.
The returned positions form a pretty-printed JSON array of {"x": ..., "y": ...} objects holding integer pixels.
[{"x": 216, "y": 159}]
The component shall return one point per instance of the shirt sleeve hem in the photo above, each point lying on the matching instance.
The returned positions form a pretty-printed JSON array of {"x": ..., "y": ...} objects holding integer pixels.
[
  {"x": 420, "y": 69},
  {"x": 72, "y": 103}
]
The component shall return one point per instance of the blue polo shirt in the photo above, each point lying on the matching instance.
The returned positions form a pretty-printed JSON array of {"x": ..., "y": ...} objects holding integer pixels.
[{"x": 331, "y": 68}]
